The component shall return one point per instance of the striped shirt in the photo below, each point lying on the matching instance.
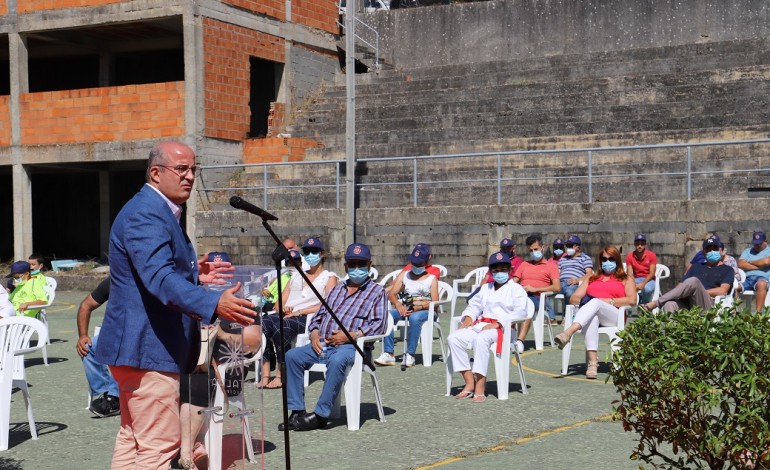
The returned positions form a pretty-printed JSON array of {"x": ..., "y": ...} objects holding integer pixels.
[
  {"x": 575, "y": 267},
  {"x": 365, "y": 310}
]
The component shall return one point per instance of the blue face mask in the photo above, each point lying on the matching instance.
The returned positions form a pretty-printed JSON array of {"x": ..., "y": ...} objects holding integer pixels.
[
  {"x": 713, "y": 257},
  {"x": 609, "y": 267},
  {"x": 313, "y": 259},
  {"x": 358, "y": 275},
  {"x": 536, "y": 255},
  {"x": 36, "y": 271},
  {"x": 501, "y": 278},
  {"x": 558, "y": 252},
  {"x": 418, "y": 270}
]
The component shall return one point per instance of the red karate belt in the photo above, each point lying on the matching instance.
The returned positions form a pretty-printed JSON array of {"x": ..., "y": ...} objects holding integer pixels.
[{"x": 499, "y": 347}]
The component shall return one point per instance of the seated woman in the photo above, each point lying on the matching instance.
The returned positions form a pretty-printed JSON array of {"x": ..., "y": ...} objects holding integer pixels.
[
  {"x": 604, "y": 291},
  {"x": 197, "y": 390},
  {"x": 299, "y": 301},
  {"x": 422, "y": 288},
  {"x": 496, "y": 301}
]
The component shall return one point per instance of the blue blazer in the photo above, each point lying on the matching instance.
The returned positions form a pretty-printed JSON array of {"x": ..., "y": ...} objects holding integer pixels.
[{"x": 151, "y": 321}]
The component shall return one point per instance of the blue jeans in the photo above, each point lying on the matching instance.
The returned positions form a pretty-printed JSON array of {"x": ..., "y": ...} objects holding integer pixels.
[
  {"x": 568, "y": 290},
  {"x": 298, "y": 360},
  {"x": 412, "y": 334},
  {"x": 535, "y": 298},
  {"x": 97, "y": 374},
  {"x": 645, "y": 295}
]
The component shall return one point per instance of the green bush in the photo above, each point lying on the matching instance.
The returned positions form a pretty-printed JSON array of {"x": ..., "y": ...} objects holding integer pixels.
[{"x": 695, "y": 386}]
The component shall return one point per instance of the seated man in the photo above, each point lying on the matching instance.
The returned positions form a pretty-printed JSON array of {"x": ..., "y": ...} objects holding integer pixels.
[
  {"x": 29, "y": 290},
  {"x": 641, "y": 265},
  {"x": 536, "y": 276},
  {"x": 558, "y": 251},
  {"x": 700, "y": 284},
  {"x": 362, "y": 307},
  {"x": 104, "y": 389},
  {"x": 573, "y": 266},
  {"x": 756, "y": 262}
]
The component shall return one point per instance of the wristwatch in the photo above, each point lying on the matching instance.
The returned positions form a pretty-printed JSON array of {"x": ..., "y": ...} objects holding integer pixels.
[{"x": 612, "y": 302}]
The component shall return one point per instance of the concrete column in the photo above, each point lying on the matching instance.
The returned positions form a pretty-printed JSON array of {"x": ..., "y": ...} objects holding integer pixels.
[
  {"x": 22, "y": 184},
  {"x": 104, "y": 213},
  {"x": 194, "y": 114}
]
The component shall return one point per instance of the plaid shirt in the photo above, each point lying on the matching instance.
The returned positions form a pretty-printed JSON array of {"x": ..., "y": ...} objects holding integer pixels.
[{"x": 365, "y": 310}]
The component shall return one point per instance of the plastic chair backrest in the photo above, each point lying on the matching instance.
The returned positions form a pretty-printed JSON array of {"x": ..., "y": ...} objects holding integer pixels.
[
  {"x": 441, "y": 269},
  {"x": 15, "y": 335}
]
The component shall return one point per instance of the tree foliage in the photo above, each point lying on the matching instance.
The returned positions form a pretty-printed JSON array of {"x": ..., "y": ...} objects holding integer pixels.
[{"x": 695, "y": 386}]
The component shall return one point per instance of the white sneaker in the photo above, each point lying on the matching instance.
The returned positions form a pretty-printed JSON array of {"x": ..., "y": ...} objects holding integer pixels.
[
  {"x": 519, "y": 345},
  {"x": 409, "y": 360},
  {"x": 385, "y": 359}
]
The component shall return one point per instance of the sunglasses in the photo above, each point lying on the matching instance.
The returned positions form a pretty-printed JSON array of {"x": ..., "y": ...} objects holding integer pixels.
[
  {"x": 570, "y": 245},
  {"x": 311, "y": 250},
  {"x": 606, "y": 258},
  {"x": 711, "y": 248}
]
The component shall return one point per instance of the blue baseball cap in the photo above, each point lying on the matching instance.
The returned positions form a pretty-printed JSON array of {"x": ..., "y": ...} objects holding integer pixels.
[
  {"x": 640, "y": 238},
  {"x": 358, "y": 251},
  {"x": 19, "y": 267},
  {"x": 574, "y": 240},
  {"x": 419, "y": 255},
  {"x": 758, "y": 238},
  {"x": 498, "y": 258},
  {"x": 712, "y": 241},
  {"x": 216, "y": 256},
  {"x": 295, "y": 254},
  {"x": 506, "y": 242},
  {"x": 313, "y": 242},
  {"x": 423, "y": 247},
  {"x": 558, "y": 242}
]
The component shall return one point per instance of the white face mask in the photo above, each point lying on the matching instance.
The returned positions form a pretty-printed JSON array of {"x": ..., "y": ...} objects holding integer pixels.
[{"x": 570, "y": 252}]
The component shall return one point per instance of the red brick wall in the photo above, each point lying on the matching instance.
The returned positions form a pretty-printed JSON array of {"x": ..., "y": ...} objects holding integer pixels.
[
  {"x": 27, "y": 6},
  {"x": 103, "y": 114},
  {"x": 273, "y": 8},
  {"x": 274, "y": 149},
  {"x": 226, "y": 51},
  {"x": 5, "y": 121},
  {"x": 320, "y": 14}
]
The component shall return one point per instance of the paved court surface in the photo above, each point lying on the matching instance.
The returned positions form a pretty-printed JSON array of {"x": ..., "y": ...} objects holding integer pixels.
[{"x": 563, "y": 423}]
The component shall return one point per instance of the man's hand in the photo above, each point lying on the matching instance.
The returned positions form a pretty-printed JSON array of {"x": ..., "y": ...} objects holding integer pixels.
[
  {"x": 232, "y": 308},
  {"x": 573, "y": 281},
  {"x": 640, "y": 286},
  {"x": 83, "y": 345},
  {"x": 214, "y": 272},
  {"x": 530, "y": 289},
  {"x": 315, "y": 341},
  {"x": 466, "y": 323},
  {"x": 336, "y": 338}
]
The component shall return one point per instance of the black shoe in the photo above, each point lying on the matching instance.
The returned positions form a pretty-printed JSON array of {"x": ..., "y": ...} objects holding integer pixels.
[
  {"x": 311, "y": 421},
  {"x": 295, "y": 415},
  {"x": 105, "y": 406}
]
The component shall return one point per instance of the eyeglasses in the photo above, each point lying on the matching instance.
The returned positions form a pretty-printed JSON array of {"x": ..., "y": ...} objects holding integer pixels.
[
  {"x": 181, "y": 170},
  {"x": 558, "y": 247},
  {"x": 640, "y": 243},
  {"x": 311, "y": 250},
  {"x": 606, "y": 258}
]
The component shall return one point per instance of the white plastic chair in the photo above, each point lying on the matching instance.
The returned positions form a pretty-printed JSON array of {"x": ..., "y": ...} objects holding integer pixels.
[
  {"x": 610, "y": 331},
  {"x": 502, "y": 362},
  {"x": 475, "y": 278},
  {"x": 50, "y": 292},
  {"x": 435, "y": 309},
  {"x": 661, "y": 272},
  {"x": 538, "y": 323},
  {"x": 727, "y": 300},
  {"x": 15, "y": 335},
  {"x": 441, "y": 269},
  {"x": 213, "y": 437},
  {"x": 352, "y": 385}
]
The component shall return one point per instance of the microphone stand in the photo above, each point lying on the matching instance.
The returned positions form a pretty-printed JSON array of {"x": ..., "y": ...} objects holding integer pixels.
[{"x": 280, "y": 253}]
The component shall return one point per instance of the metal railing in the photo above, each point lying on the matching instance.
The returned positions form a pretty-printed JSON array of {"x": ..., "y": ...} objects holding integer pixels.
[
  {"x": 505, "y": 162},
  {"x": 375, "y": 46}
]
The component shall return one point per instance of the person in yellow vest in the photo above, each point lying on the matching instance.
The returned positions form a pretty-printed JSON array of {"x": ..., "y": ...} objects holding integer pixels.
[{"x": 29, "y": 290}]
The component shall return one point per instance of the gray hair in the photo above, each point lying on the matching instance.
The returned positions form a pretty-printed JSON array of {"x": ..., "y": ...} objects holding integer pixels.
[{"x": 157, "y": 157}]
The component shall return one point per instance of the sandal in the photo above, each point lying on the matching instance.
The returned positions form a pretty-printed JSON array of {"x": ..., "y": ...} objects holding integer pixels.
[
  {"x": 274, "y": 384},
  {"x": 591, "y": 369},
  {"x": 479, "y": 398},
  {"x": 264, "y": 382},
  {"x": 562, "y": 339},
  {"x": 464, "y": 394}
]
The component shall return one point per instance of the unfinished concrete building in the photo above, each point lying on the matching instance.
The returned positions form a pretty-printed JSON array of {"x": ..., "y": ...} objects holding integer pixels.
[{"x": 88, "y": 86}]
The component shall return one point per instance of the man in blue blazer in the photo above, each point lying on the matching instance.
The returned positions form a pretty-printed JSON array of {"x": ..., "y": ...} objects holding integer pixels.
[{"x": 150, "y": 333}]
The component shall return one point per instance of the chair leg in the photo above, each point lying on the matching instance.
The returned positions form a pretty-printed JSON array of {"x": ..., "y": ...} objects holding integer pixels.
[
  {"x": 502, "y": 374},
  {"x": 426, "y": 338},
  {"x": 537, "y": 327},
  {"x": 352, "y": 390},
  {"x": 22, "y": 384},
  {"x": 377, "y": 395},
  {"x": 441, "y": 340},
  {"x": 240, "y": 403},
  {"x": 522, "y": 379},
  {"x": 550, "y": 334},
  {"x": 565, "y": 358},
  {"x": 449, "y": 372}
]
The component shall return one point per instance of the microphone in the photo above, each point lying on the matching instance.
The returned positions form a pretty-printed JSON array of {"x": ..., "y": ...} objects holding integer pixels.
[{"x": 239, "y": 203}]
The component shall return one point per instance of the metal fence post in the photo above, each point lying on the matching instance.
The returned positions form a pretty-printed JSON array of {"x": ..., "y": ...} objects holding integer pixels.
[
  {"x": 264, "y": 187},
  {"x": 590, "y": 177},
  {"x": 337, "y": 184},
  {"x": 499, "y": 183},
  {"x": 414, "y": 181},
  {"x": 689, "y": 173}
]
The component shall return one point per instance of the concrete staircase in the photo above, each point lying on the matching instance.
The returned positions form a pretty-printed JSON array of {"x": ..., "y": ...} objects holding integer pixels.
[{"x": 699, "y": 92}]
